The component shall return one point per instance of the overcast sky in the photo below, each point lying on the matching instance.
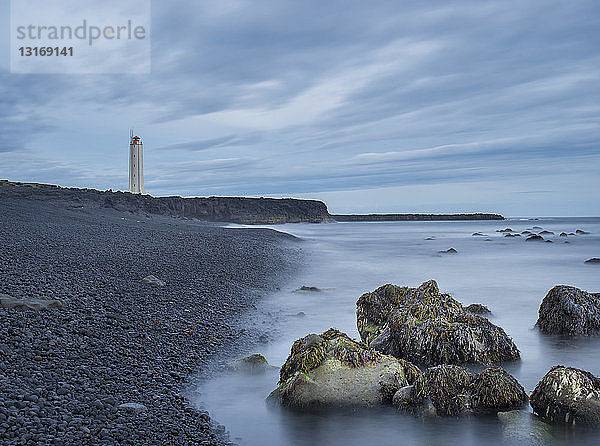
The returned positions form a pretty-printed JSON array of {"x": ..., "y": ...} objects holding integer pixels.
[{"x": 375, "y": 106}]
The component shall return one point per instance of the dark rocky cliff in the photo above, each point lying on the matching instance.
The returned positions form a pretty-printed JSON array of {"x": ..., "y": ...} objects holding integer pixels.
[{"x": 230, "y": 209}]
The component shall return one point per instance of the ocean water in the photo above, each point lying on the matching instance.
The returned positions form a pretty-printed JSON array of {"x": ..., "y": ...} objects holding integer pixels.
[{"x": 508, "y": 275}]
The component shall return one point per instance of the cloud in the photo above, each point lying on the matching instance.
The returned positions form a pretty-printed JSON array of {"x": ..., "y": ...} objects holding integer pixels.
[{"x": 268, "y": 97}]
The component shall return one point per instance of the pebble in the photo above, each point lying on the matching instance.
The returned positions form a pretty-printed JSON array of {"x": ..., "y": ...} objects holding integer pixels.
[{"x": 117, "y": 340}]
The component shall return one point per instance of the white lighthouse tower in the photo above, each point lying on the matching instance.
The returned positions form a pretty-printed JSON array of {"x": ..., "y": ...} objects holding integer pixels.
[{"x": 136, "y": 165}]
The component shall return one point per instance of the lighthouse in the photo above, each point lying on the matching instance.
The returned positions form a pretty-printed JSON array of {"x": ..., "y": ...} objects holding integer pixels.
[{"x": 136, "y": 165}]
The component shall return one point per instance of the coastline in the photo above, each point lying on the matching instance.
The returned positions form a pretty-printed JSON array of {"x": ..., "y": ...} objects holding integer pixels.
[{"x": 65, "y": 371}]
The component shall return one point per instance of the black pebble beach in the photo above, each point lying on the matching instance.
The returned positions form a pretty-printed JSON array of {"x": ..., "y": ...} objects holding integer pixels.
[{"x": 64, "y": 372}]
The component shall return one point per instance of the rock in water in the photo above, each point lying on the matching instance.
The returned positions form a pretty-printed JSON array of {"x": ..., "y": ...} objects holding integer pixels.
[
  {"x": 477, "y": 309},
  {"x": 453, "y": 390},
  {"x": 425, "y": 326},
  {"x": 449, "y": 251},
  {"x": 29, "y": 303},
  {"x": 152, "y": 280},
  {"x": 496, "y": 390},
  {"x": 580, "y": 232},
  {"x": 523, "y": 427},
  {"x": 447, "y": 387},
  {"x": 593, "y": 260},
  {"x": 570, "y": 311},
  {"x": 533, "y": 238},
  {"x": 567, "y": 395},
  {"x": 308, "y": 288},
  {"x": 332, "y": 370},
  {"x": 253, "y": 364}
]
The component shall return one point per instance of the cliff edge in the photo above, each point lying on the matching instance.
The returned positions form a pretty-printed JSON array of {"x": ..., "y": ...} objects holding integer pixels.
[{"x": 225, "y": 209}]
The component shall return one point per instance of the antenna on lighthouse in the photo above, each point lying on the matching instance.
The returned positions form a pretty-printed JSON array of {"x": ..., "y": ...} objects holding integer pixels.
[{"x": 130, "y": 135}]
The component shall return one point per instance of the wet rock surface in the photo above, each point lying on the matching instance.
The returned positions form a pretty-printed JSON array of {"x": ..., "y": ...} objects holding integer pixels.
[
  {"x": 567, "y": 310},
  {"x": 567, "y": 395},
  {"x": 109, "y": 367},
  {"x": 253, "y": 364},
  {"x": 451, "y": 390},
  {"x": 523, "y": 427},
  {"x": 427, "y": 327},
  {"x": 332, "y": 370}
]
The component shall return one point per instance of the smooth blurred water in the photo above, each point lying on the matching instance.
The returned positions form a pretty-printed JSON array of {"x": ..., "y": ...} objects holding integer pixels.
[{"x": 509, "y": 275}]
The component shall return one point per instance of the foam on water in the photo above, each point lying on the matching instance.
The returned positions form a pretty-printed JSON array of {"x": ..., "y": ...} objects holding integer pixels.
[{"x": 507, "y": 274}]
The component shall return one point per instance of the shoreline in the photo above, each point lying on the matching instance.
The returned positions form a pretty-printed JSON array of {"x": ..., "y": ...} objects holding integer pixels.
[{"x": 65, "y": 371}]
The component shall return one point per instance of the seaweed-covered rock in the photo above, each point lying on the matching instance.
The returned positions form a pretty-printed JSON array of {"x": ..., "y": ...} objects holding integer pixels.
[
  {"x": 567, "y": 395},
  {"x": 496, "y": 390},
  {"x": 425, "y": 326},
  {"x": 477, "y": 309},
  {"x": 570, "y": 311},
  {"x": 453, "y": 390},
  {"x": 332, "y": 370},
  {"x": 448, "y": 388}
]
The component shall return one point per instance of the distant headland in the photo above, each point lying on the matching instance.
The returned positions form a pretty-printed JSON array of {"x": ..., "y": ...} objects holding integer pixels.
[
  {"x": 415, "y": 217},
  {"x": 217, "y": 209}
]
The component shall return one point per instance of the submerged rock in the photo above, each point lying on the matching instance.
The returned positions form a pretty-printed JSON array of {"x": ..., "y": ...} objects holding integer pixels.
[
  {"x": 253, "y": 364},
  {"x": 308, "y": 288},
  {"x": 453, "y": 390},
  {"x": 478, "y": 234},
  {"x": 593, "y": 260},
  {"x": 581, "y": 232},
  {"x": 547, "y": 232},
  {"x": 477, "y": 309},
  {"x": 569, "y": 311},
  {"x": 562, "y": 234},
  {"x": 504, "y": 230},
  {"x": 567, "y": 395},
  {"x": 512, "y": 235},
  {"x": 523, "y": 427},
  {"x": 29, "y": 303},
  {"x": 425, "y": 326},
  {"x": 332, "y": 370},
  {"x": 152, "y": 280}
]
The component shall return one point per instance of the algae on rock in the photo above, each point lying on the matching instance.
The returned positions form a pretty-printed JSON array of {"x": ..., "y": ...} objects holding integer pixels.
[
  {"x": 570, "y": 311},
  {"x": 567, "y": 395},
  {"x": 332, "y": 370},
  {"x": 452, "y": 390},
  {"x": 428, "y": 327}
]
